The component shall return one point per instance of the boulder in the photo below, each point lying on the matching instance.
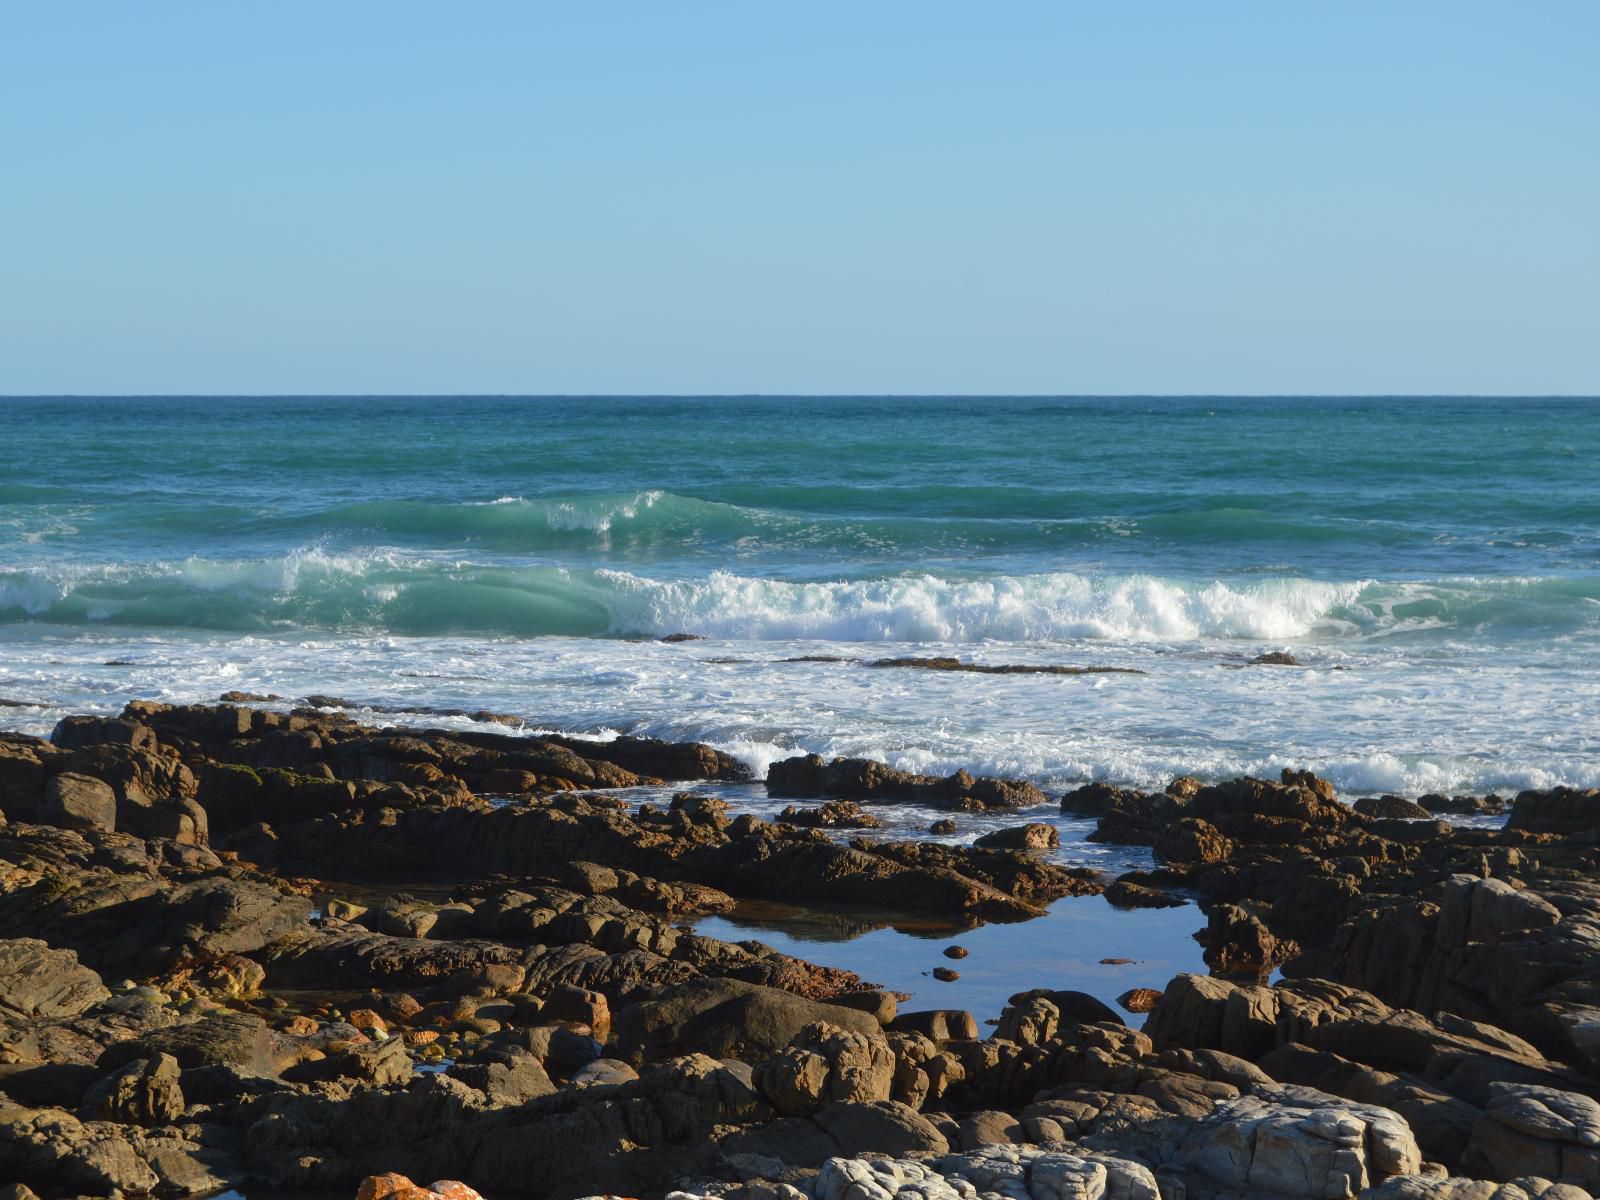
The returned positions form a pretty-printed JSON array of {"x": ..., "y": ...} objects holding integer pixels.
[
  {"x": 567, "y": 1003},
  {"x": 1391, "y": 808},
  {"x": 238, "y": 1040},
  {"x": 865, "y": 779},
  {"x": 1191, "y": 840},
  {"x": 75, "y": 801},
  {"x": 938, "y": 1024},
  {"x": 882, "y": 1127},
  {"x": 989, "y": 1127},
  {"x": 1560, "y": 810},
  {"x": 1049, "y": 1174},
  {"x": 1455, "y": 1187},
  {"x": 1139, "y": 1000},
  {"x": 1238, "y": 943},
  {"x": 65, "y": 1156},
  {"x": 1034, "y": 836},
  {"x": 1528, "y": 1130},
  {"x": 143, "y": 1092},
  {"x": 36, "y": 981},
  {"x": 824, "y": 1065},
  {"x": 512, "y": 1080},
  {"x": 1279, "y": 1147},
  {"x": 726, "y": 1019},
  {"x": 835, "y": 814}
]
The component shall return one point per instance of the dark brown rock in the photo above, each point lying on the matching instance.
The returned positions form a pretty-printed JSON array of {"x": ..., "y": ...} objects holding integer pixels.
[
  {"x": 1035, "y": 836},
  {"x": 726, "y": 1019},
  {"x": 1237, "y": 942},
  {"x": 79, "y": 802}
]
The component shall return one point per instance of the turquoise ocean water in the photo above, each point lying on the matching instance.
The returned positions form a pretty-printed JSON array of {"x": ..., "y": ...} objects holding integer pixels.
[{"x": 1433, "y": 563}]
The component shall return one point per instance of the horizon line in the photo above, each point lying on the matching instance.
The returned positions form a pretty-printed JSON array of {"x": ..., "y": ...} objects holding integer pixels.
[{"x": 799, "y": 395}]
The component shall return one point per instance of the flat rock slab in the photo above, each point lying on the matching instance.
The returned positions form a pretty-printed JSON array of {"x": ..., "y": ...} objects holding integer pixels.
[{"x": 36, "y": 981}]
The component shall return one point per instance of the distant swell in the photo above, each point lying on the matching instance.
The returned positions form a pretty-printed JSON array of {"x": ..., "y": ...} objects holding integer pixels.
[{"x": 389, "y": 592}]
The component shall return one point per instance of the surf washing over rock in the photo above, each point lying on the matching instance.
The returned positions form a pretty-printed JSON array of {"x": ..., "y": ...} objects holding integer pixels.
[{"x": 1432, "y": 566}]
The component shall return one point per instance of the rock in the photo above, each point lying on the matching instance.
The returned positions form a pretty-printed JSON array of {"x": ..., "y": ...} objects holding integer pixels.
[
  {"x": 1237, "y": 942},
  {"x": 1074, "y": 1007},
  {"x": 879, "y": 1178},
  {"x": 943, "y": 827},
  {"x": 567, "y": 1003},
  {"x": 989, "y": 1128},
  {"x": 1446, "y": 1187},
  {"x": 1029, "y": 1173},
  {"x": 144, "y": 1092},
  {"x": 865, "y": 779},
  {"x": 835, "y": 814},
  {"x": 1391, "y": 808},
  {"x": 237, "y": 1040},
  {"x": 1139, "y": 1000},
  {"x": 885, "y": 1127},
  {"x": 385, "y": 1186},
  {"x": 878, "y": 1004},
  {"x": 946, "y": 974},
  {"x": 1560, "y": 810},
  {"x": 514, "y": 1080},
  {"x": 1126, "y": 894},
  {"x": 955, "y": 951},
  {"x": 1034, "y": 836},
  {"x": 377, "y": 1063},
  {"x": 604, "y": 1072},
  {"x": 938, "y": 1025},
  {"x": 1275, "y": 658},
  {"x": 1529, "y": 1130},
  {"x": 1192, "y": 840},
  {"x": 1463, "y": 805},
  {"x": 1097, "y": 799},
  {"x": 394, "y": 1186},
  {"x": 66, "y": 1156},
  {"x": 1279, "y": 1148},
  {"x": 36, "y": 981},
  {"x": 726, "y": 1019},
  {"x": 824, "y": 1065},
  {"x": 79, "y": 802},
  {"x": 1487, "y": 951}
]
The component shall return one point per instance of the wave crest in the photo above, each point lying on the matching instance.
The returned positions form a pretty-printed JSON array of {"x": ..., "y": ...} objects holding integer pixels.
[{"x": 387, "y": 591}]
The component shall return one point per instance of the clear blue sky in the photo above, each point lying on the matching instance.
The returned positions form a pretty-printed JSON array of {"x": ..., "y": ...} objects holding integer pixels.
[{"x": 875, "y": 197}]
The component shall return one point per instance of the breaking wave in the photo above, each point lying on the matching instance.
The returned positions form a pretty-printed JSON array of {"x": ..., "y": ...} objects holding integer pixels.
[{"x": 392, "y": 592}]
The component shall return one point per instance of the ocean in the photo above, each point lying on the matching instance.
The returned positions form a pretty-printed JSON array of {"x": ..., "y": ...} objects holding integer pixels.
[{"x": 1432, "y": 564}]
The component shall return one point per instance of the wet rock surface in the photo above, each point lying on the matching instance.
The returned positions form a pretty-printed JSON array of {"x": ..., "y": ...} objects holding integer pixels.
[{"x": 286, "y": 952}]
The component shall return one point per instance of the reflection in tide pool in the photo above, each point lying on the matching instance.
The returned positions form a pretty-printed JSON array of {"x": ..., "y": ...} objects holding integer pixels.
[{"x": 1060, "y": 950}]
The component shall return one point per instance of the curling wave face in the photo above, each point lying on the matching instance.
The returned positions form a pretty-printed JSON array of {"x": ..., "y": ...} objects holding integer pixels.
[
  {"x": 1433, "y": 564},
  {"x": 388, "y": 591}
]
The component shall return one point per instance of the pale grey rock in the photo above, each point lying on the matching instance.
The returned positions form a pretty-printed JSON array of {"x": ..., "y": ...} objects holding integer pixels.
[
  {"x": 994, "y": 1173},
  {"x": 1456, "y": 1187},
  {"x": 1276, "y": 1147}
]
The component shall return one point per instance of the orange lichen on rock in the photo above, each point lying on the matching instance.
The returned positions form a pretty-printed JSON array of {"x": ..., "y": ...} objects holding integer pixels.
[{"x": 394, "y": 1186}]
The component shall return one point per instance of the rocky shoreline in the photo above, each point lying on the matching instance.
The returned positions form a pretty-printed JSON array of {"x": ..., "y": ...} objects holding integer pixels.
[{"x": 281, "y": 951}]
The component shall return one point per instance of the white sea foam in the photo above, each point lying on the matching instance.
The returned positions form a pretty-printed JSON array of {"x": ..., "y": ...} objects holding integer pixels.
[
  {"x": 1007, "y": 608},
  {"x": 1450, "y": 718},
  {"x": 598, "y": 516}
]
